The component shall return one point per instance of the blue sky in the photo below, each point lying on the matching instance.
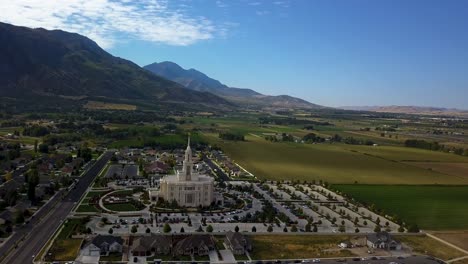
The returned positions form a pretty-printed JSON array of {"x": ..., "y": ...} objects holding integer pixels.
[{"x": 334, "y": 52}]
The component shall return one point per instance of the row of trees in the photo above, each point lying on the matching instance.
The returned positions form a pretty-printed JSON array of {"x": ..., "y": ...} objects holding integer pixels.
[{"x": 231, "y": 136}]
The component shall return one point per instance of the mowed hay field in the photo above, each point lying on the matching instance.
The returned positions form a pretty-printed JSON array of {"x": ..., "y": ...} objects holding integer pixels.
[
  {"x": 336, "y": 163},
  {"x": 451, "y": 168},
  {"x": 430, "y": 207}
]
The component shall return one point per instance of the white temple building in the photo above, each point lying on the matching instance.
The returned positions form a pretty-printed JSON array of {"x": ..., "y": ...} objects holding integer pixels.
[{"x": 187, "y": 188}]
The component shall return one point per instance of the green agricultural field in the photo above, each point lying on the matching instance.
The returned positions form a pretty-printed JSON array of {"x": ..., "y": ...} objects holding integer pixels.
[
  {"x": 430, "y": 207},
  {"x": 335, "y": 163}
]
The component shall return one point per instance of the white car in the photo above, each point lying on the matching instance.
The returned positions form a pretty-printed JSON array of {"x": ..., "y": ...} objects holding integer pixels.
[{"x": 316, "y": 261}]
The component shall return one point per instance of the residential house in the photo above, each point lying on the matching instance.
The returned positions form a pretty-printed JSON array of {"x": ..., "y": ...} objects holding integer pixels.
[
  {"x": 157, "y": 167},
  {"x": 194, "y": 245},
  {"x": 382, "y": 240},
  {"x": 103, "y": 245},
  {"x": 153, "y": 244},
  {"x": 238, "y": 243}
]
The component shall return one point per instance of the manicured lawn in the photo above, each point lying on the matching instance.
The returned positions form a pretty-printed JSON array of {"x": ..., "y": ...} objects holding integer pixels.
[
  {"x": 290, "y": 247},
  {"x": 86, "y": 208},
  {"x": 335, "y": 163},
  {"x": 430, "y": 207},
  {"x": 68, "y": 228},
  {"x": 94, "y": 193},
  {"x": 429, "y": 246},
  {"x": 66, "y": 249},
  {"x": 123, "y": 207},
  {"x": 111, "y": 257}
]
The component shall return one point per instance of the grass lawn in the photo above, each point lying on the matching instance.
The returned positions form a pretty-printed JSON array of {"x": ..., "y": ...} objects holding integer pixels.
[
  {"x": 290, "y": 247},
  {"x": 111, "y": 257},
  {"x": 430, "y": 207},
  {"x": 430, "y": 246},
  {"x": 202, "y": 258},
  {"x": 123, "y": 207},
  {"x": 87, "y": 208},
  {"x": 68, "y": 228},
  {"x": 91, "y": 194},
  {"x": 66, "y": 249},
  {"x": 335, "y": 163}
]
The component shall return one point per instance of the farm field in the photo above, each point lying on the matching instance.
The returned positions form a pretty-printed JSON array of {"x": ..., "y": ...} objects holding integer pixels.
[
  {"x": 430, "y": 207},
  {"x": 450, "y": 168},
  {"x": 335, "y": 163},
  {"x": 290, "y": 246},
  {"x": 94, "y": 105}
]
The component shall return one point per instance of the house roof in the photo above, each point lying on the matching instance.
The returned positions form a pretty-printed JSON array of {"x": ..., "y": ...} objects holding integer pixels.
[
  {"x": 238, "y": 240},
  {"x": 101, "y": 239},
  {"x": 381, "y": 237},
  {"x": 146, "y": 243},
  {"x": 193, "y": 241}
]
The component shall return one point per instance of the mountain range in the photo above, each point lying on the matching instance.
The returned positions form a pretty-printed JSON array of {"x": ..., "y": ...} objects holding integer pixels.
[
  {"x": 198, "y": 81},
  {"x": 36, "y": 63}
]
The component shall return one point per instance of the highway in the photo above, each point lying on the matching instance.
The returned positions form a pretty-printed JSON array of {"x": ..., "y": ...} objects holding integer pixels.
[{"x": 42, "y": 226}]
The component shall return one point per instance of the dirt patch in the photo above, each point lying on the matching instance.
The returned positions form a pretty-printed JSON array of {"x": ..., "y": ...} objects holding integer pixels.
[
  {"x": 451, "y": 168},
  {"x": 459, "y": 238}
]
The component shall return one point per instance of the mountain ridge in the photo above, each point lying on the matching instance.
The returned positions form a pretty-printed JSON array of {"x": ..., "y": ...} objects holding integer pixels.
[
  {"x": 196, "y": 80},
  {"x": 40, "y": 62}
]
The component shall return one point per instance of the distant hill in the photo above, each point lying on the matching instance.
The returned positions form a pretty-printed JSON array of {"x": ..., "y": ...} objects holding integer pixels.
[
  {"x": 199, "y": 81},
  {"x": 43, "y": 63},
  {"x": 423, "y": 110}
]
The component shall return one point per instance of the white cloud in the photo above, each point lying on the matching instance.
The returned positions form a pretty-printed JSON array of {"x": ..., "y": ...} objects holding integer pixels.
[
  {"x": 262, "y": 12},
  {"x": 221, "y": 4},
  {"x": 106, "y": 21},
  {"x": 254, "y": 3}
]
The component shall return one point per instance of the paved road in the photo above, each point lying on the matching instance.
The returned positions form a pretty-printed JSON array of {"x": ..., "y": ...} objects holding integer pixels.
[
  {"x": 220, "y": 173},
  {"x": 43, "y": 225}
]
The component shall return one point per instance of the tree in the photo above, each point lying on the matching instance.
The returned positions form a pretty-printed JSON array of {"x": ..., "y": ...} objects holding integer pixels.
[
  {"x": 148, "y": 230},
  {"x": 377, "y": 228},
  {"x": 236, "y": 229},
  {"x": 270, "y": 229},
  {"x": 209, "y": 228},
  {"x": 134, "y": 229},
  {"x": 111, "y": 231},
  {"x": 254, "y": 229},
  {"x": 342, "y": 229},
  {"x": 35, "y": 145},
  {"x": 315, "y": 229},
  {"x": 8, "y": 176},
  {"x": 182, "y": 230},
  {"x": 200, "y": 229},
  {"x": 356, "y": 230},
  {"x": 308, "y": 227},
  {"x": 365, "y": 222},
  {"x": 19, "y": 218},
  {"x": 401, "y": 229},
  {"x": 294, "y": 228},
  {"x": 413, "y": 228},
  {"x": 44, "y": 148},
  {"x": 167, "y": 228},
  {"x": 33, "y": 181},
  {"x": 285, "y": 229}
]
